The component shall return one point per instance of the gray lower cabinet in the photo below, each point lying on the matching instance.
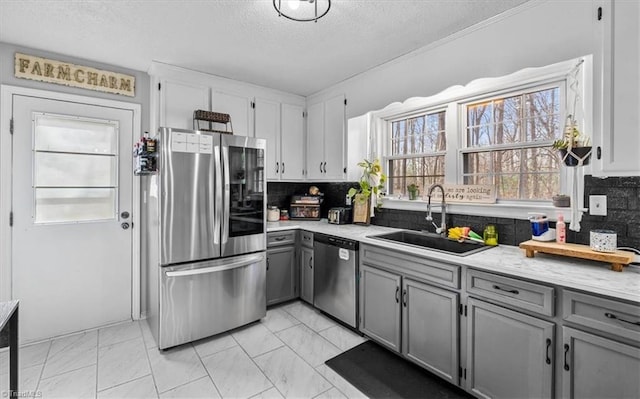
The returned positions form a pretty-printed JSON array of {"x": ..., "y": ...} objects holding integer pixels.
[
  {"x": 417, "y": 319},
  {"x": 281, "y": 274},
  {"x": 430, "y": 328},
  {"x": 306, "y": 274},
  {"x": 380, "y": 306},
  {"x": 509, "y": 354},
  {"x": 597, "y": 367}
]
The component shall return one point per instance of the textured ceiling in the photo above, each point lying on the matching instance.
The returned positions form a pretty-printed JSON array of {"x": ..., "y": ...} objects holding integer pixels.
[{"x": 241, "y": 39}]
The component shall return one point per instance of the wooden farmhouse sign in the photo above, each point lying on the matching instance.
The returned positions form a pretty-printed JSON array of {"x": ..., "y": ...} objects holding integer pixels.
[
  {"x": 479, "y": 194},
  {"x": 51, "y": 71}
]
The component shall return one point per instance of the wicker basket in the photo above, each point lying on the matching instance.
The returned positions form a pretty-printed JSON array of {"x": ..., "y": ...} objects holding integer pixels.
[{"x": 210, "y": 118}]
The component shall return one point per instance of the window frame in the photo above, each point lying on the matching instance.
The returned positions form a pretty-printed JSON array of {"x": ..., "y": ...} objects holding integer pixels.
[
  {"x": 452, "y": 99},
  {"x": 464, "y": 148},
  {"x": 116, "y": 168},
  {"x": 388, "y": 140}
]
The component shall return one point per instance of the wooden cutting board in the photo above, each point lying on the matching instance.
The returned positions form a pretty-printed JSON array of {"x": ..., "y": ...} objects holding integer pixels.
[{"x": 618, "y": 259}]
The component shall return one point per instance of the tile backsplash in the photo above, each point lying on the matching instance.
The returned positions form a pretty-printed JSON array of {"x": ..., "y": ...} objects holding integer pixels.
[
  {"x": 623, "y": 211},
  {"x": 279, "y": 194}
]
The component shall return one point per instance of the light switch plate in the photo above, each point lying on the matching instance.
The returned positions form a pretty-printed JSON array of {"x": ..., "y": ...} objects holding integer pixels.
[{"x": 598, "y": 205}]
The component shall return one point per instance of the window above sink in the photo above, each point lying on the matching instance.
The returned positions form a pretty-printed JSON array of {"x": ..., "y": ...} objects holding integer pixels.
[{"x": 495, "y": 131}]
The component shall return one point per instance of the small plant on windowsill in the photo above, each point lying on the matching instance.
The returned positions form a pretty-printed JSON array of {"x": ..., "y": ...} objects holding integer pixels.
[
  {"x": 574, "y": 147},
  {"x": 413, "y": 191}
]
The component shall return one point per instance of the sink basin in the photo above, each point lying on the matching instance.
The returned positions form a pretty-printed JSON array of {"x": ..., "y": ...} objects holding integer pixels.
[{"x": 433, "y": 242}]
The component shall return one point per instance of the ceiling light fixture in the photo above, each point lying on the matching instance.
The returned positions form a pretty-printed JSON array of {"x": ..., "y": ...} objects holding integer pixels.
[{"x": 303, "y": 10}]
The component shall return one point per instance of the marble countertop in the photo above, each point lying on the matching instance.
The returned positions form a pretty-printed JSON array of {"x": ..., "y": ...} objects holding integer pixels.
[
  {"x": 589, "y": 276},
  {"x": 6, "y": 311}
]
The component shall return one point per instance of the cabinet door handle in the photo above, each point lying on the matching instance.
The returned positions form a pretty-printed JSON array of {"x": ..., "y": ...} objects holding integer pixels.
[
  {"x": 404, "y": 297},
  {"x": 497, "y": 287},
  {"x": 283, "y": 167},
  {"x": 397, "y": 292},
  {"x": 614, "y": 317},
  {"x": 267, "y": 264},
  {"x": 566, "y": 350},
  {"x": 310, "y": 263},
  {"x": 320, "y": 167},
  {"x": 548, "y": 347},
  {"x": 277, "y": 167},
  {"x": 325, "y": 167}
]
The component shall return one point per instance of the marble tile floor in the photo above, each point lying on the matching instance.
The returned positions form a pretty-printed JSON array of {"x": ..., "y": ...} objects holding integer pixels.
[{"x": 281, "y": 356}]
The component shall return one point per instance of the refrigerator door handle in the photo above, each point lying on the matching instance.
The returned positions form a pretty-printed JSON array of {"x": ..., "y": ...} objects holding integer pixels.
[
  {"x": 226, "y": 202},
  {"x": 213, "y": 269},
  {"x": 218, "y": 196}
]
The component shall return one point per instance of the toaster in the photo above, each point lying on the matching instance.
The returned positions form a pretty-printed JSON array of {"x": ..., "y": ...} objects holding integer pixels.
[{"x": 339, "y": 215}]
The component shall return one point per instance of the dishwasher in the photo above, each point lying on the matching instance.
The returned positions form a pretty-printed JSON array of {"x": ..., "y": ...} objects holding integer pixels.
[{"x": 335, "y": 275}]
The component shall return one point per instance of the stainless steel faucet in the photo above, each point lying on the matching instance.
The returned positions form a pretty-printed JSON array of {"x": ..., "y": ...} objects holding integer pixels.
[{"x": 443, "y": 224}]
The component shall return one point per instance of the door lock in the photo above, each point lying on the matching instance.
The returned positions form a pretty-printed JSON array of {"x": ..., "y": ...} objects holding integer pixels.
[
  {"x": 124, "y": 215},
  {"x": 124, "y": 225}
]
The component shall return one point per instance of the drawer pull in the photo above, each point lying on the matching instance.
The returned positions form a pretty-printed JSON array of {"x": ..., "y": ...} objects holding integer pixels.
[
  {"x": 612, "y": 316},
  {"x": 548, "y": 346},
  {"x": 566, "y": 350},
  {"x": 281, "y": 238},
  {"x": 497, "y": 287},
  {"x": 397, "y": 292}
]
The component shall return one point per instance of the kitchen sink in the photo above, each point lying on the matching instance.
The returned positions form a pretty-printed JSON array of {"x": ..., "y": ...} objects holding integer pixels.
[{"x": 433, "y": 242}]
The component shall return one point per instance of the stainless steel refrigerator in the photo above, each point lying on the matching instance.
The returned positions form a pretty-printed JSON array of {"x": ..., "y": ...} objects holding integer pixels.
[{"x": 204, "y": 235}]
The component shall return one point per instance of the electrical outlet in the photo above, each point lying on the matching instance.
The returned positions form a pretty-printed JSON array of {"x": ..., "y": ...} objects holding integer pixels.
[{"x": 598, "y": 205}]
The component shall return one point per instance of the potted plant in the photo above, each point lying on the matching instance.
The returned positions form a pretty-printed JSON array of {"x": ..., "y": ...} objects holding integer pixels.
[
  {"x": 365, "y": 198},
  {"x": 413, "y": 191},
  {"x": 574, "y": 147}
]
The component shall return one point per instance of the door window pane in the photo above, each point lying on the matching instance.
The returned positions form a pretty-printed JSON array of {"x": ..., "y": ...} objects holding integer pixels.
[
  {"x": 74, "y": 204},
  {"x": 66, "y": 134},
  {"x": 74, "y": 170},
  {"x": 75, "y": 163}
]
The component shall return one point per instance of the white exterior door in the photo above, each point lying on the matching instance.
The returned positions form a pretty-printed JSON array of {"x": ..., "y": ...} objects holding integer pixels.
[{"x": 72, "y": 177}]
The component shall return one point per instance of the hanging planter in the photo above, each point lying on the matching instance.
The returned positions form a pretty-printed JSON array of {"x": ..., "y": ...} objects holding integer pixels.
[
  {"x": 574, "y": 147},
  {"x": 577, "y": 156}
]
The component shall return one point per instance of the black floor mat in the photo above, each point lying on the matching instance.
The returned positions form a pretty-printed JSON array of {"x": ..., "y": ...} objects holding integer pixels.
[{"x": 378, "y": 373}]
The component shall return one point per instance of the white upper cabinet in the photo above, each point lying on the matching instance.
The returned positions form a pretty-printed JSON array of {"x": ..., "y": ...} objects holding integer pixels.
[
  {"x": 325, "y": 139},
  {"x": 618, "y": 142},
  {"x": 334, "y": 134},
  {"x": 292, "y": 142},
  {"x": 282, "y": 125},
  {"x": 267, "y": 126},
  {"x": 239, "y": 109},
  {"x": 177, "y": 102},
  {"x": 315, "y": 141}
]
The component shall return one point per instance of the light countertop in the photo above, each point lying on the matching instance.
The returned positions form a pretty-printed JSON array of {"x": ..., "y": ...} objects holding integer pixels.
[{"x": 589, "y": 276}]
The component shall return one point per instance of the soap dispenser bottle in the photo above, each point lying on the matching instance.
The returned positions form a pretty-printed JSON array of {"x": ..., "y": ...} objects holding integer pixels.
[{"x": 561, "y": 230}]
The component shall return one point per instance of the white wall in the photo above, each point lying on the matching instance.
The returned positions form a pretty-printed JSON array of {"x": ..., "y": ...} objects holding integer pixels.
[{"x": 538, "y": 33}]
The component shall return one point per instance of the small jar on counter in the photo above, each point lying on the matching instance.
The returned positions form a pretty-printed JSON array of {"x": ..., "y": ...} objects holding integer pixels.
[
  {"x": 284, "y": 214},
  {"x": 490, "y": 235},
  {"x": 273, "y": 214}
]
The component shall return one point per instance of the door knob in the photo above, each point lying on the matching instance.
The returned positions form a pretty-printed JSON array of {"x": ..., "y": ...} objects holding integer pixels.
[
  {"x": 124, "y": 215},
  {"x": 124, "y": 225}
]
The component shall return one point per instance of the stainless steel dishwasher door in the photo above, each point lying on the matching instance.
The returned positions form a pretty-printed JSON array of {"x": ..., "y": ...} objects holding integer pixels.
[{"x": 334, "y": 278}]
